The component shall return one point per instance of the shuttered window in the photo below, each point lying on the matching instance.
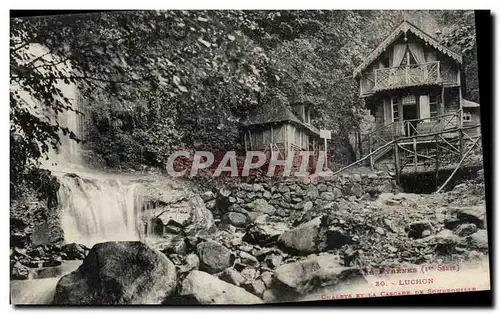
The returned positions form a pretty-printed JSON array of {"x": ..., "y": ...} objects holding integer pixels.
[
  {"x": 434, "y": 105},
  {"x": 395, "y": 108}
]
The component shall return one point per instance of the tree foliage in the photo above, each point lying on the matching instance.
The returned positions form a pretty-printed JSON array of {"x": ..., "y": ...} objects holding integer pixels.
[
  {"x": 461, "y": 37},
  {"x": 151, "y": 82}
]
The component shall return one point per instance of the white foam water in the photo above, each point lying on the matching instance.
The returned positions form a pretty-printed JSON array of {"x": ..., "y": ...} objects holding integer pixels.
[
  {"x": 94, "y": 211},
  {"x": 94, "y": 206}
]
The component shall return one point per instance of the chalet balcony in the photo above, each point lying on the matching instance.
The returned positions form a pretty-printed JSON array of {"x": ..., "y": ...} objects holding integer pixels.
[
  {"x": 429, "y": 73},
  {"x": 407, "y": 75}
]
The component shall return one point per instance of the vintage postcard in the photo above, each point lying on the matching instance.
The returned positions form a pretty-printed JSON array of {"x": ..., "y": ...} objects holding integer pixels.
[{"x": 245, "y": 157}]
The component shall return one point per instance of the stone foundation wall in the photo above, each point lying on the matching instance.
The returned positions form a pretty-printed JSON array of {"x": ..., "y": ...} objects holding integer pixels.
[{"x": 291, "y": 200}]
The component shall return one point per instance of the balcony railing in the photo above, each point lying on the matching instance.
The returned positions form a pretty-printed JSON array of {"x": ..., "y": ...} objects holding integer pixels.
[
  {"x": 407, "y": 75},
  {"x": 410, "y": 128}
]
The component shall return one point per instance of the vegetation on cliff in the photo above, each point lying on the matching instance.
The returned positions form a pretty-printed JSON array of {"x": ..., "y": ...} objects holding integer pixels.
[{"x": 151, "y": 82}]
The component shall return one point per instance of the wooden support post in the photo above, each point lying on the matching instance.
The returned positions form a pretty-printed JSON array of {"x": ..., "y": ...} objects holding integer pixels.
[
  {"x": 461, "y": 141},
  {"x": 370, "y": 149},
  {"x": 359, "y": 143},
  {"x": 439, "y": 71},
  {"x": 415, "y": 158},
  {"x": 459, "y": 165},
  {"x": 443, "y": 106},
  {"x": 326, "y": 155},
  {"x": 245, "y": 140},
  {"x": 396, "y": 161},
  {"x": 287, "y": 140},
  {"x": 442, "y": 98}
]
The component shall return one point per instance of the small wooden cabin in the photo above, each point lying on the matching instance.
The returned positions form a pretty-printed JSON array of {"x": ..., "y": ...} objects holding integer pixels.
[
  {"x": 412, "y": 84},
  {"x": 277, "y": 127}
]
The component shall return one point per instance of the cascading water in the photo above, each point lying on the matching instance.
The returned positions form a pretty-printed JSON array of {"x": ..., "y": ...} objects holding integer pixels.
[
  {"x": 98, "y": 210},
  {"x": 95, "y": 206}
]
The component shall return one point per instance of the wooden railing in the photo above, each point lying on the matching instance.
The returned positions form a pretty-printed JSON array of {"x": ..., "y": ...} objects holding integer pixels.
[
  {"x": 436, "y": 155},
  {"x": 429, "y": 125},
  {"x": 407, "y": 75},
  {"x": 438, "y": 152},
  {"x": 409, "y": 128}
]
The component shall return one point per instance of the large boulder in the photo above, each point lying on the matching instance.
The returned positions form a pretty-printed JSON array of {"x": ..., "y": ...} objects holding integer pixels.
[
  {"x": 262, "y": 206},
  {"x": 479, "y": 240},
  {"x": 214, "y": 257},
  {"x": 170, "y": 244},
  {"x": 451, "y": 222},
  {"x": 466, "y": 229},
  {"x": 119, "y": 273},
  {"x": 265, "y": 234},
  {"x": 473, "y": 214},
  {"x": 357, "y": 190},
  {"x": 305, "y": 276},
  {"x": 301, "y": 240},
  {"x": 444, "y": 242},
  {"x": 208, "y": 196},
  {"x": 235, "y": 219},
  {"x": 232, "y": 276},
  {"x": 192, "y": 261},
  {"x": 201, "y": 218},
  {"x": 187, "y": 215},
  {"x": 329, "y": 196},
  {"x": 73, "y": 251},
  {"x": 418, "y": 229},
  {"x": 202, "y": 288},
  {"x": 312, "y": 192},
  {"x": 256, "y": 287}
]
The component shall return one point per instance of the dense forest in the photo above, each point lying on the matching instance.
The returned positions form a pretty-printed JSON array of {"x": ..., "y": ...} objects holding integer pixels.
[{"x": 152, "y": 82}]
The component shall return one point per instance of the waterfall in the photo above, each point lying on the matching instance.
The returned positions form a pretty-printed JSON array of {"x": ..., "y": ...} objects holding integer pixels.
[
  {"x": 94, "y": 206},
  {"x": 94, "y": 211},
  {"x": 69, "y": 152}
]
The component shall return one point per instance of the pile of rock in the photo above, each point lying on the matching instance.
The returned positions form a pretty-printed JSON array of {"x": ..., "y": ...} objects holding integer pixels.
[
  {"x": 177, "y": 211},
  {"x": 212, "y": 274},
  {"x": 282, "y": 242}
]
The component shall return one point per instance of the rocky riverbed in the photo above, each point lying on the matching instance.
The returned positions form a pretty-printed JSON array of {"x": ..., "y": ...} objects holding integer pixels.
[{"x": 263, "y": 242}]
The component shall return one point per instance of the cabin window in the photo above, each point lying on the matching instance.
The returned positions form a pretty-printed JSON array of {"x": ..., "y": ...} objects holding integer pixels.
[
  {"x": 409, "y": 100},
  {"x": 434, "y": 105},
  {"x": 395, "y": 108},
  {"x": 466, "y": 117}
]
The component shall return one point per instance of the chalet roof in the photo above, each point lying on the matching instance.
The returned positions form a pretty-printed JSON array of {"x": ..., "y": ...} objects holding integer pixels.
[
  {"x": 469, "y": 104},
  {"x": 275, "y": 111},
  {"x": 405, "y": 27}
]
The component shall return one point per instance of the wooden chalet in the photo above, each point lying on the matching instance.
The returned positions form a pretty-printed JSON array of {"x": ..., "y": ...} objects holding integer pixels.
[
  {"x": 413, "y": 87},
  {"x": 275, "y": 126}
]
